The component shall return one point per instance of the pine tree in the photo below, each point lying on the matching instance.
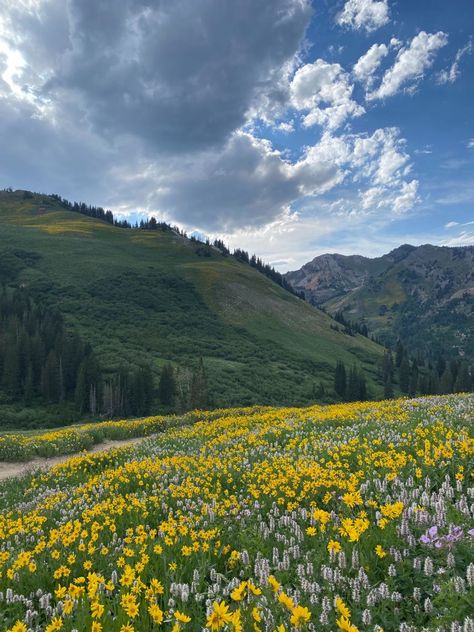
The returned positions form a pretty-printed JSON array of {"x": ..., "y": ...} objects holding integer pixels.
[
  {"x": 148, "y": 389},
  {"x": 11, "y": 378},
  {"x": 199, "y": 390},
  {"x": 28, "y": 390},
  {"x": 363, "y": 395},
  {"x": 404, "y": 375},
  {"x": 388, "y": 389},
  {"x": 413, "y": 386},
  {"x": 463, "y": 382},
  {"x": 446, "y": 381},
  {"x": 353, "y": 385},
  {"x": 340, "y": 379},
  {"x": 399, "y": 353},
  {"x": 50, "y": 380},
  {"x": 167, "y": 386}
]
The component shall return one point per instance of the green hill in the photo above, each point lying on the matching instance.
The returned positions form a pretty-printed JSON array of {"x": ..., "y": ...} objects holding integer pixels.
[{"x": 151, "y": 297}]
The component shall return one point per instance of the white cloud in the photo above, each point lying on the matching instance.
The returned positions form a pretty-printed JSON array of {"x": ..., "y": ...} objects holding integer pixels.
[
  {"x": 364, "y": 14},
  {"x": 411, "y": 63},
  {"x": 463, "y": 239},
  {"x": 248, "y": 185},
  {"x": 449, "y": 75},
  {"x": 407, "y": 197},
  {"x": 324, "y": 91},
  {"x": 368, "y": 63},
  {"x": 286, "y": 127},
  {"x": 323, "y": 165},
  {"x": 451, "y": 224},
  {"x": 470, "y": 143}
]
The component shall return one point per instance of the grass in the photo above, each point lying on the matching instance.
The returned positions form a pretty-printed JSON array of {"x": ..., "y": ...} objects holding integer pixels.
[
  {"x": 140, "y": 296},
  {"x": 347, "y": 517}
]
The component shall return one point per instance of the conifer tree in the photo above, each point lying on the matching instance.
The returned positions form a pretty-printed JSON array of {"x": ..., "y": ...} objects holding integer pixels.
[
  {"x": 388, "y": 389},
  {"x": 404, "y": 375},
  {"x": 446, "y": 381},
  {"x": 353, "y": 385},
  {"x": 199, "y": 389},
  {"x": 167, "y": 386},
  {"x": 413, "y": 385},
  {"x": 463, "y": 382},
  {"x": 340, "y": 379}
]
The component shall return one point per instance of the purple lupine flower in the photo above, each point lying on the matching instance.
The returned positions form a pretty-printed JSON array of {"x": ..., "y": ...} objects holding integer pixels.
[{"x": 430, "y": 536}]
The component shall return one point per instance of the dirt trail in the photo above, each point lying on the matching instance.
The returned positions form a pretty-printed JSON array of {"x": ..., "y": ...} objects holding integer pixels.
[{"x": 9, "y": 470}]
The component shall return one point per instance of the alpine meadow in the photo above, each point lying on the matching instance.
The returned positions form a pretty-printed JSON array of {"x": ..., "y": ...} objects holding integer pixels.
[{"x": 236, "y": 316}]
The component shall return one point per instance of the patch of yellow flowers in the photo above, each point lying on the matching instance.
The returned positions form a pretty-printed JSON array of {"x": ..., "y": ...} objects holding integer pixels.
[{"x": 265, "y": 520}]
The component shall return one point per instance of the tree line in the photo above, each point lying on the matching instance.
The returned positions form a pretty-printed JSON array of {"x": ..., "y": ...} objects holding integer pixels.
[
  {"x": 417, "y": 375},
  {"x": 180, "y": 390},
  {"x": 97, "y": 212},
  {"x": 43, "y": 363},
  {"x": 350, "y": 385}
]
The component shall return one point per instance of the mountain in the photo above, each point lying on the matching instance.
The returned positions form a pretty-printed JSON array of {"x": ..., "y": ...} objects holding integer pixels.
[
  {"x": 423, "y": 295},
  {"x": 154, "y": 296}
]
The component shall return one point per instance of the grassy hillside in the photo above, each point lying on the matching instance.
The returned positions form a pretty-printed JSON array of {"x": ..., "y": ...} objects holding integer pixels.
[{"x": 150, "y": 296}]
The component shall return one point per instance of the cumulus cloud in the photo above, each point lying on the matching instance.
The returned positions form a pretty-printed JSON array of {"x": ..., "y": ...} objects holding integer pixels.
[
  {"x": 367, "y": 64},
  {"x": 180, "y": 75},
  {"x": 470, "y": 143},
  {"x": 449, "y": 75},
  {"x": 99, "y": 102},
  {"x": 248, "y": 184},
  {"x": 410, "y": 64},
  {"x": 324, "y": 91},
  {"x": 364, "y": 14}
]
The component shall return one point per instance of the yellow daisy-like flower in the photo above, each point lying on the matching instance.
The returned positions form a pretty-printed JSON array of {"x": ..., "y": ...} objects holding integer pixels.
[
  {"x": 344, "y": 624},
  {"x": 274, "y": 583},
  {"x": 239, "y": 593},
  {"x": 334, "y": 545},
  {"x": 287, "y": 601},
  {"x": 156, "y": 613},
  {"x": 237, "y": 621},
  {"x": 300, "y": 615},
  {"x": 342, "y": 608},
  {"x": 97, "y": 609},
  {"x": 182, "y": 618},
  {"x": 56, "y": 624},
  {"x": 219, "y": 616},
  {"x": 256, "y": 616},
  {"x": 19, "y": 626}
]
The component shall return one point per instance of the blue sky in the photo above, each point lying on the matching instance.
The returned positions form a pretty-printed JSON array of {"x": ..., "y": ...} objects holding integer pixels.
[{"x": 290, "y": 128}]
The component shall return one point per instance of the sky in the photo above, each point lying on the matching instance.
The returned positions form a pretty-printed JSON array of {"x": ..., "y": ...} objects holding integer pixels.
[{"x": 289, "y": 128}]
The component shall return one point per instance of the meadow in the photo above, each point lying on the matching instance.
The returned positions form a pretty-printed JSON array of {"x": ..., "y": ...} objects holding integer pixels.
[{"x": 346, "y": 517}]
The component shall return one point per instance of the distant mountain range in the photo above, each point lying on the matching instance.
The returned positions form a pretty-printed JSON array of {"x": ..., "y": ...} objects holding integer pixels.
[{"x": 422, "y": 295}]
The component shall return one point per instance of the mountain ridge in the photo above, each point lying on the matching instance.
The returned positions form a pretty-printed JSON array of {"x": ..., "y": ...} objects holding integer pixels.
[{"x": 415, "y": 293}]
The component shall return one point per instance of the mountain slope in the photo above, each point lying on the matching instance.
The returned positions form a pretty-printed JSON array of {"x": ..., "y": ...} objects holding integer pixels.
[
  {"x": 151, "y": 296},
  {"x": 424, "y": 294}
]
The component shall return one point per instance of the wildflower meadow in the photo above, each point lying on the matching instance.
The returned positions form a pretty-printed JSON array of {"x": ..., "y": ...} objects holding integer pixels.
[{"x": 346, "y": 517}]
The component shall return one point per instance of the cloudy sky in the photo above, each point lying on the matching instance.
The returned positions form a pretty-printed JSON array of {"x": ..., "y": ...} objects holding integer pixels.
[{"x": 288, "y": 127}]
